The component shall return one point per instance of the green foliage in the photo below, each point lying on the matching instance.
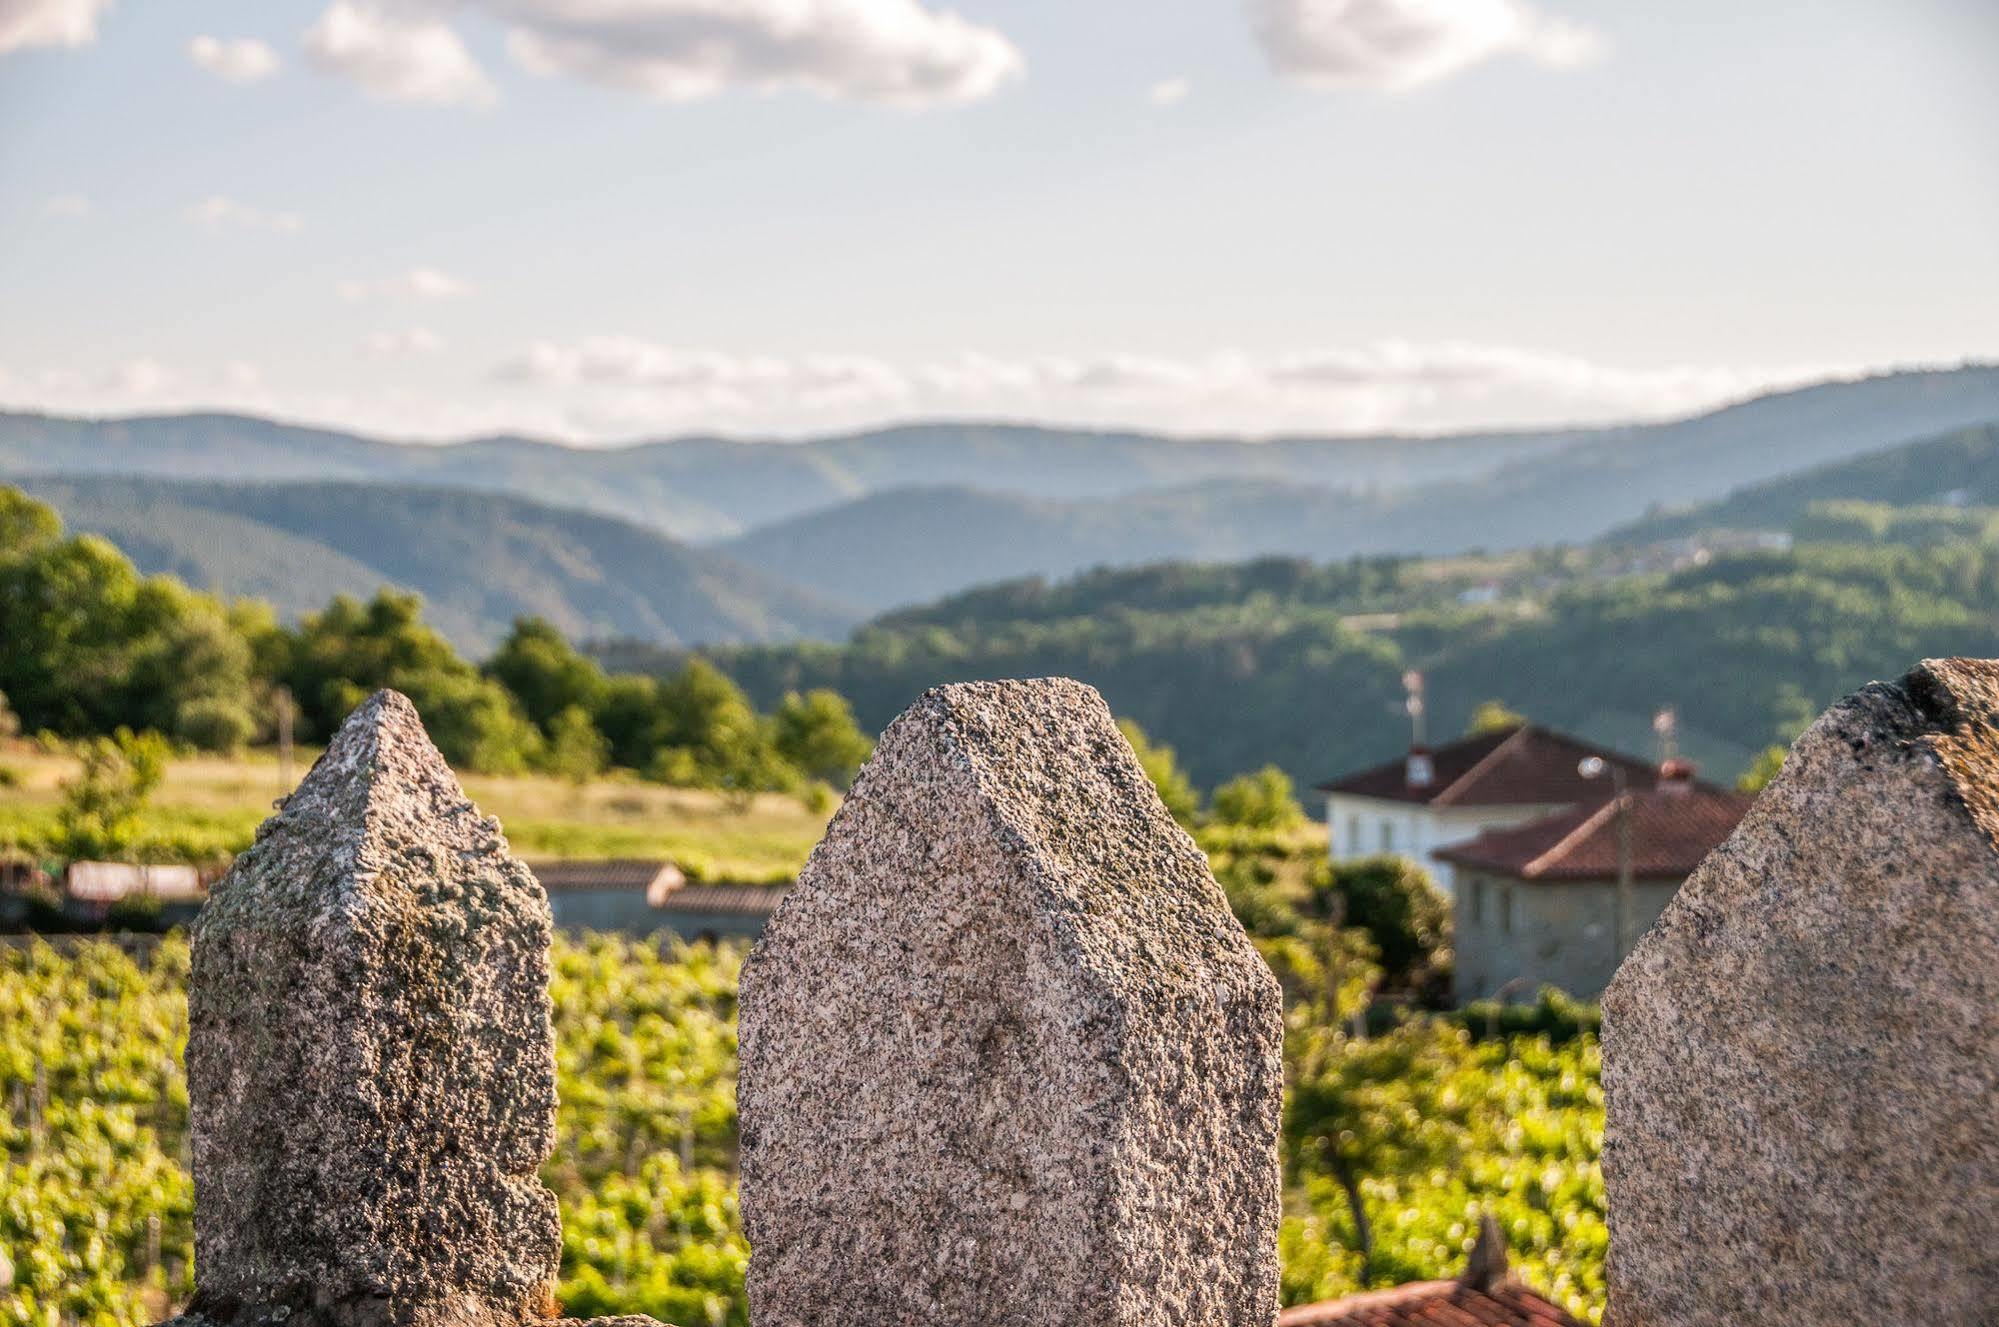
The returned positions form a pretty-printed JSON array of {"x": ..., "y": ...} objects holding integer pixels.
[
  {"x": 710, "y": 737},
  {"x": 1283, "y": 889},
  {"x": 479, "y": 558},
  {"x": 1492, "y": 716},
  {"x": 92, "y": 645},
  {"x": 545, "y": 673},
  {"x": 575, "y": 750},
  {"x": 1555, "y": 1014},
  {"x": 816, "y": 732},
  {"x": 10, "y": 723},
  {"x": 1163, "y": 768},
  {"x": 1757, "y": 777},
  {"x": 344, "y": 654},
  {"x": 1261, "y": 800},
  {"x": 101, "y": 806}
]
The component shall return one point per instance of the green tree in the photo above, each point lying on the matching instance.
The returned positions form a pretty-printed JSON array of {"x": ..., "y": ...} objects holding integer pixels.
[
  {"x": 1492, "y": 716},
  {"x": 1758, "y": 775},
  {"x": 545, "y": 673},
  {"x": 817, "y": 734},
  {"x": 92, "y": 645},
  {"x": 1160, "y": 764},
  {"x": 1362, "y": 1109},
  {"x": 710, "y": 737},
  {"x": 1262, "y": 800},
  {"x": 1395, "y": 903},
  {"x": 575, "y": 749},
  {"x": 341, "y": 656},
  {"x": 101, "y": 806}
]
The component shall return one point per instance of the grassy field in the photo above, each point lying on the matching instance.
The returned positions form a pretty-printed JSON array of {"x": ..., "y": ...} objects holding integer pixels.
[{"x": 209, "y": 807}]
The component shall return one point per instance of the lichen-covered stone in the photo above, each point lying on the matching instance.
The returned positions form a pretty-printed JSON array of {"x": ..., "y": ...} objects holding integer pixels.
[
  {"x": 371, "y": 1071},
  {"x": 1007, "y": 1057},
  {"x": 1801, "y": 1059}
]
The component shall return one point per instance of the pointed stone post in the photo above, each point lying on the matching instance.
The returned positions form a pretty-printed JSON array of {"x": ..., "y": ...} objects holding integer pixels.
[
  {"x": 370, "y": 1064},
  {"x": 1801, "y": 1058},
  {"x": 1007, "y": 1057}
]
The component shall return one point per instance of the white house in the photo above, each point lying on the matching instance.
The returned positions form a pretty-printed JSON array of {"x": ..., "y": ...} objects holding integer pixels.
[
  {"x": 1537, "y": 904},
  {"x": 1508, "y": 776}
]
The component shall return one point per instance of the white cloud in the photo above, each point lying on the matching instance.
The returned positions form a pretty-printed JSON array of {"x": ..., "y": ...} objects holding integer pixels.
[
  {"x": 1167, "y": 91},
  {"x": 895, "y": 52},
  {"x": 623, "y": 387},
  {"x": 713, "y": 379},
  {"x": 623, "y": 384},
  {"x": 218, "y": 210},
  {"x": 407, "y": 344},
  {"x": 25, "y": 23},
  {"x": 1395, "y": 45},
  {"x": 241, "y": 60},
  {"x": 418, "y": 283},
  {"x": 398, "y": 50},
  {"x": 68, "y": 205}
]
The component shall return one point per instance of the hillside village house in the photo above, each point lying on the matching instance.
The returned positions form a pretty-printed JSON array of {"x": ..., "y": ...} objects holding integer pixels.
[
  {"x": 1508, "y": 776},
  {"x": 642, "y": 898},
  {"x": 1537, "y": 904}
]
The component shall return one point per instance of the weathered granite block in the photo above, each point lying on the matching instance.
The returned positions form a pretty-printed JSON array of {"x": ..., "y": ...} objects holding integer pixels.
[
  {"x": 370, "y": 1065},
  {"x": 1801, "y": 1059},
  {"x": 1007, "y": 1057}
]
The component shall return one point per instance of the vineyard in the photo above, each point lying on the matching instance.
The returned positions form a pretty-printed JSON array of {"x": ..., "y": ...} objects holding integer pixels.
[{"x": 1418, "y": 1128}]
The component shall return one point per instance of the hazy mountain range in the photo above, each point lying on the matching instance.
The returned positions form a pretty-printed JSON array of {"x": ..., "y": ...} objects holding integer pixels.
[
  {"x": 807, "y": 538},
  {"x": 479, "y": 559}
]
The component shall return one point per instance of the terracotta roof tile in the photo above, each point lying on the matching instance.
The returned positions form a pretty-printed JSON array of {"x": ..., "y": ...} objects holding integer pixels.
[
  {"x": 1433, "y": 1304},
  {"x": 732, "y": 900},
  {"x": 556, "y": 876},
  {"x": 1521, "y": 766},
  {"x": 1672, "y": 830}
]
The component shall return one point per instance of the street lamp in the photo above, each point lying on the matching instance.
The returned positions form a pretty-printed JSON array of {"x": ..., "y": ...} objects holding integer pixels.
[{"x": 1594, "y": 767}]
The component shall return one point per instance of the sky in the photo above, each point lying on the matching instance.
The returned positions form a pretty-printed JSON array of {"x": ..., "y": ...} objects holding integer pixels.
[{"x": 602, "y": 220}]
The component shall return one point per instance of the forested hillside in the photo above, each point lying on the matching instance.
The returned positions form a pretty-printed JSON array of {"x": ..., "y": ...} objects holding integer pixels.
[
  {"x": 905, "y": 546},
  {"x": 1959, "y": 469},
  {"x": 1345, "y": 494},
  {"x": 1299, "y": 665},
  {"x": 479, "y": 559},
  {"x": 704, "y": 487}
]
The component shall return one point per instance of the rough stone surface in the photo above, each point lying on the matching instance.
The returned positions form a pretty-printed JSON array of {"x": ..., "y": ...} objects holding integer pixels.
[
  {"x": 371, "y": 1070},
  {"x": 1007, "y": 1057},
  {"x": 1801, "y": 1058}
]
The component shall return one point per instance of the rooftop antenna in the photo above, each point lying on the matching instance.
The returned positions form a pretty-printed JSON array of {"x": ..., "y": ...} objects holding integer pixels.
[
  {"x": 1412, "y": 684},
  {"x": 1420, "y": 771},
  {"x": 1667, "y": 725}
]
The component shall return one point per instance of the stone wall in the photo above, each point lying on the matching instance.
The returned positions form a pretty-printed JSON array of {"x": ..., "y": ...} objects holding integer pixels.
[{"x": 1008, "y": 1059}]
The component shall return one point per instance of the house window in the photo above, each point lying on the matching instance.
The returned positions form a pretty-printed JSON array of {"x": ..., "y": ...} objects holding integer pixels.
[
  {"x": 1506, "y": 909},
  {"x": 1478, "y": 901},
  {"x": 1353, "y": 836},
  {"x": 1387, "y": 836}
]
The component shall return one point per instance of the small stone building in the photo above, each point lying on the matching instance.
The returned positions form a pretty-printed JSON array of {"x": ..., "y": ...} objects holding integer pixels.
[
  {"x": 613, "y": 895},
  {"x": 1509, "y": 776},
  {"x": 641, "y": 898},
  {"x": 720, "y": 912},
  {"x": 1536, "y": 904}
]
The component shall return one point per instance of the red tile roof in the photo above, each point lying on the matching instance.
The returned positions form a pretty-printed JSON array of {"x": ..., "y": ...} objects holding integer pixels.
[
  {"x": 1485, "y": 1294},
  {"x": 1672, "y": 829},
  {"x": 1433, "y": 1304},
  {"x": 1521, "y": 766},
  {"x": 730, "y": 900},
  {"x": 648, "y": 876}
]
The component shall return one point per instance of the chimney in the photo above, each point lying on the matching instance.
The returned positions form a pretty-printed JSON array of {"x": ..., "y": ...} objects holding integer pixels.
[
  {"x": 1676, "y": 775},
  {"x": 1420, "y": 770},
  {"x": 1486, "y": 1268}
]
